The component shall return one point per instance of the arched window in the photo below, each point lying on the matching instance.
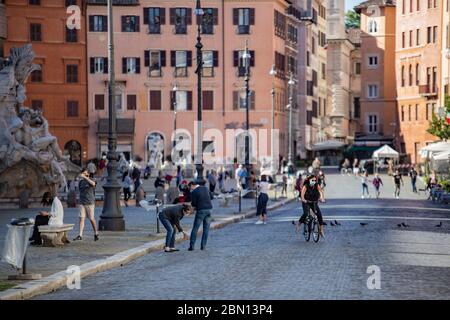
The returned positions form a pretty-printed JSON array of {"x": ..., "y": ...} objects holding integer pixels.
[
  {"x": 403, "y": 76},
  {"x": 410, "y": 76},
  {"x": 417, "y": 74},
  {"x": 373, "y": 26}
]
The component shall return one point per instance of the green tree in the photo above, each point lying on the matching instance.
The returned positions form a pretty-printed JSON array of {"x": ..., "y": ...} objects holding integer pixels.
[
  {"x": 438, "y": 126},
  {"x": 352, "y": 20}
]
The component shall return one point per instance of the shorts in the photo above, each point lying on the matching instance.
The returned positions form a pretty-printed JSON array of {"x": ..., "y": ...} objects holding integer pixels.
[{"x": 87, "y": 210}]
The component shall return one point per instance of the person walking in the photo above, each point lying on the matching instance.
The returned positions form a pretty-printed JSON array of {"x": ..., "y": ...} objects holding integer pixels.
[
  {"x": 126, "y": 185},
  {"x": 102, "y": 166},
  {"x": 397, "y": 181},
  {"x": 365, "y": 184},
  {"x": 355, "y": 167},
  {"x": 212, "y": 181},
  {"x": 136, "y": 177},
  {"x": 179, "y": 175},
  {"x": 159, "y": 187},
  {"x": 377, "y": 183},
  {"x": 263, "y": 198},
  {"x": 221, "y": 178},
  {"x": 86, "y": 188},
  {"x": 284, "y": 185},
  {"x": 201, "y": 201},
  {"x": 316, "y": 166},
  {"x": 413, "y": 176},
  {"x": 170, "y": 218}
]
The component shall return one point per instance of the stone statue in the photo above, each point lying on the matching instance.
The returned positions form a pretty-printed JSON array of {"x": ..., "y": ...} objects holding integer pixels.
[
  {"x": 31, "y": 161},
  {"x": 156, "y": 150}
]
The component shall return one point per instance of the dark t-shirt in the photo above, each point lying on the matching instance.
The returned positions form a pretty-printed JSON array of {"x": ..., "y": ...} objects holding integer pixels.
[
  {"x": 413, "y": 174},
  {"x": 201, "y": 198},
  {"x": 312, "y": 193},
  {"x": 87, "y": 192},
  {"x": 174, "y": 214},
  {"x": 397, "y": 179}
]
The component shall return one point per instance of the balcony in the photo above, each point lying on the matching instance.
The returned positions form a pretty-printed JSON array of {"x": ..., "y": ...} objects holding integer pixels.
[
  {"x": 154, "y": 29},
  {"x": 115, "y": 2},
  {"x": 428, "y": 91}
]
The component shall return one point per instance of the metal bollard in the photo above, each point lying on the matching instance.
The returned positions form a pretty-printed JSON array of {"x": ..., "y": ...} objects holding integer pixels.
[
  {"x": 240, "y": 201},
  {"x": 157, "y": 218}
]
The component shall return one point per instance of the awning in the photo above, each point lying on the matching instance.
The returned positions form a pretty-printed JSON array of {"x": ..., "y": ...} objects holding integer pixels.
[
  {"x": 385, "y": 152},
  {"x": 442, "y": 156},
  {"x": 328, "y": 145},
  {"x": 434, "y": 148},
  {"x": 123, "y": 126}
]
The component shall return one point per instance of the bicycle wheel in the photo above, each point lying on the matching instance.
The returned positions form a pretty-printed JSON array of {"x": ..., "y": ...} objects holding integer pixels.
[
  {"x": 315, "y": 231},
  {"x": 307, "y": 230}
]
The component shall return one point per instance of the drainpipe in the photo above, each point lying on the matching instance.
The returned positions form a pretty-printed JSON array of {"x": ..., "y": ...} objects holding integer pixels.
[{"x": 223, "y": 57}]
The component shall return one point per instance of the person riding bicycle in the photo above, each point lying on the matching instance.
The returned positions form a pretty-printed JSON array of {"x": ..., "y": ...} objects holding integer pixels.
[
  {"x": 321, "y": 179},
  {"x": 310, "y": 195}
]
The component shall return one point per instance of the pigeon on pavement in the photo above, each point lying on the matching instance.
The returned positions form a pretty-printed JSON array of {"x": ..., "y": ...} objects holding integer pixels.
[
  {"x": 439, "y": 225},
  {"x": 405, "y": 225},
  {"x": 363, "y": 224},
  {"x": 337, "y": 223},
  {"x": 332, "y": 224},
  {"x": 399, "y": 225}
]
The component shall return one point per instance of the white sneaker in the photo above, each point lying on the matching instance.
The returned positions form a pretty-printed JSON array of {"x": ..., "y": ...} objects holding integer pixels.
[
  {"x": 265, "y": 222},
  {"x": 259, "y": 222},
  {"x": 362, "y": 197}
]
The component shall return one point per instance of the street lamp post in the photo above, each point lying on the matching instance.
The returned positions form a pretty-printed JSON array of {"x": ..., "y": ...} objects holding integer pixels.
[
  {"x": 291, "y": 83},
  {"x": 199, "y": 152},
  {"x": 111, "y": 218},
  {"x": 246, "y": 61},
  {"x": 174, "y": 89},
  {"x": 273, "y": 73}
]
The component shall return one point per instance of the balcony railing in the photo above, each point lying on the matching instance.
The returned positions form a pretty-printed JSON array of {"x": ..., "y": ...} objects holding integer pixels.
[
  {"x": 154, "y": 28},
  {"x": 115, "y": 2},
  {"x": 428, "y": 90}
]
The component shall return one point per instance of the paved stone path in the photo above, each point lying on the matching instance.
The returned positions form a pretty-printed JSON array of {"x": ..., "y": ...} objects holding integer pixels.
[{"x": 247, "y": 261}]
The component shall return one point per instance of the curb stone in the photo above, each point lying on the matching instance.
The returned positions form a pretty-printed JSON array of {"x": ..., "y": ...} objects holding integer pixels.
[{"x": 57, "y": 280}]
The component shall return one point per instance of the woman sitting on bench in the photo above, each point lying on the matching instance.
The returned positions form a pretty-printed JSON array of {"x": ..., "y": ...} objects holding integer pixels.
[{"x": 41, "y": 219}]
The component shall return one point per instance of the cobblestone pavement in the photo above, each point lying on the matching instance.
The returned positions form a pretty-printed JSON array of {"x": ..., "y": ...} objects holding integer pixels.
[{"x": 247, "y": 261}]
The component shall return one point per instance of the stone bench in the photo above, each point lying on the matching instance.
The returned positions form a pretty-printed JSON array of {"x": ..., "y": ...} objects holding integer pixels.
[{"x": 53, "y": 236}]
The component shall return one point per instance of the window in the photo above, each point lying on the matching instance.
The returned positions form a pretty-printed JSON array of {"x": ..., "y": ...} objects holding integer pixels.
[
  {"x": 428, "y": 111},
  {"x": 356, "y": 108},
  {"x": 243, "y": 18},
  {"x": 180, "y": 18},
  {"x": 280, "y": 24},
  {"x": 208, "y": 20},
  {"x": 35, "y": 32},
  {"x": 183, "y": 100},
  {"x": 154, "y": 17},
  {"x": 402, "y": 113},
  {"x": 36, "y": 105},
  {"x": 357, "y": 68},
  {"x": 130, "y": 23},
  {"x": 292, "y": 34},
  {"x": 314, "y": 109},
  {"x": 210, "y": 60},
  {"x": 72, "y": 73},
  {"x": 292, "y": 66},
  {"x": 428, "y": 34},
  {"x": 403, "y": 76},
  {"x": 418, "y": 37},
  {"x": 403, "y": 39},
  {"x": 99, "y": 102},
  {"x": 208, "y": 100},
  {"x": 72, "y": 108},
  {"x": 409, "y": 113},
  {"x": 280, "y": 66},
  {"x": 430, "y": 4},
  {"x": 131, "y": 65},
  {"x": 434, "y": 88},
  {"x": 71, "y": 3},
  {"x": 309, "y": 117},
  {"x": 239, "y": 100},
  {"x": 239, "y": 61},
  {"x": 314, "y": 78},
  {"x": 181, "y": 60},
  {"x": 98, "y": 23},
  {"x": 36, "y": 75},
  {"x": 98, "y": 65},
  {"x": 410, "y": 38},
  {"x": 155, "y": 60},
  {"x": 435, "y": 34},
  {"x": 308, "y": 59},
  {"x": 372, "y": 62},
  {"x": 403, "y": 6},
  {"x": 131, "y": 102},
  {"x": 118, "y": 102},
  {"x": 155, "y": 100},
  {"x": 373, "y": 123},
  {"x": 411, "y": 5},
  {"x": 34, "y": 2},
  {"x": 418, "y": 5},
  {"x": 71, "y": 35},
  {"x": 410, "y": 76},
  {"x": 417, "y": 112},
  {"x": 313, "y": 45},
  {"x": 417, "y": 74},
  {"x": 373, "y": 26},
  {"x": 372, "y": 91}
]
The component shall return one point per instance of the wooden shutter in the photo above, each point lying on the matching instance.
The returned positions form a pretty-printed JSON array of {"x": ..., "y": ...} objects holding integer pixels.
[
  {"x": 252, "y": 100},
  {"x": 124, "y": 65},
  {"x": 172, "y": 58},
  {"x": 162, "y": 17},
  {"x": 99, "y": 102},
  {"x": 172, "y": 16},
  {"x": 252, "y": 16},
  {"x": 131, "y": 102},
  {"x": 235, "y": 58},
  {"x": 163, "y": 58},
  {"x": 92, "y": 65},
  {"x": 188, "y": 16},
  {"x": 91, "y": 23},
  {"x": 189, "y": 58},
  {"x": 189, "y": 100},
  {"x": 155, "y": 100},
  {"x": 138, "y": 23},
  {"x": 215, "y": 16},
  {"x": 252, "y": 58},
  {"x": 235, "y": 16},
  {"x": 138, "y": 65},
  {"x": 146, "y": 11},
  {"x": 215, "y": 58},
  {"x": 105, "y": 23},
  {"x": 235, "y": 100},
  {"x": 105, "y": 65},
  {"x": 146, "y": 58},
  {"x": 122, "y": 23},
  {"x": 208, "y": 100}
]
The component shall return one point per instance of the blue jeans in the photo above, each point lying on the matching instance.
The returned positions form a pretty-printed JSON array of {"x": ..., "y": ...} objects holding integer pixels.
[
  {"x": 202, "y": 216},
  {"x": 365, "y": 187},
  {"x": 413, "y": 182},
  {"x": 171, "y": 232}
]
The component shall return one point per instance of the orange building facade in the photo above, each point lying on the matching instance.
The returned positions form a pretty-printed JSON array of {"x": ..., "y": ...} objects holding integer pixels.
[
  {"x": 418, "y": 65},
  {"x": 60, "y": 88}
]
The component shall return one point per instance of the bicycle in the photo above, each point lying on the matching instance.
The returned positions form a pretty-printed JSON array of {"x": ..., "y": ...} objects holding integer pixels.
[{"x": 311, "y": 224}]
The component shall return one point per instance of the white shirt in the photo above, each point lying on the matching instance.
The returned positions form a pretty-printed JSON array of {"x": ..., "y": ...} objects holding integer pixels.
[{"x": 263, "y": 187}]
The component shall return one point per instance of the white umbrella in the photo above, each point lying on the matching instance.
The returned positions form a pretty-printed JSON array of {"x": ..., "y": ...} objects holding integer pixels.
[
  {"x": 434, "y": 148},
  {"x": 442, "y": 156},
  {"x": 385, "y": 152}
]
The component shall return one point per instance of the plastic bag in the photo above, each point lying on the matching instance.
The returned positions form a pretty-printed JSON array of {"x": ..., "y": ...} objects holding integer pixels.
[
  {"x": 56, "y": 213},
  {"x": 16, "y": 244}
]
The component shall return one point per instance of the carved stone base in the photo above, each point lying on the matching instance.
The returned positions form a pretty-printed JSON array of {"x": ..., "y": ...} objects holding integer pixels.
[{"x": 53, "y": 236}]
